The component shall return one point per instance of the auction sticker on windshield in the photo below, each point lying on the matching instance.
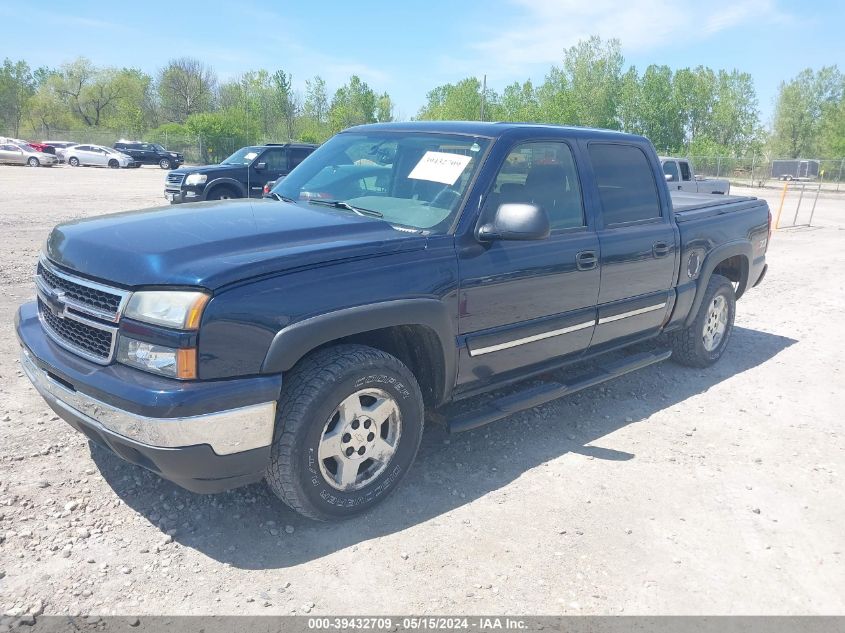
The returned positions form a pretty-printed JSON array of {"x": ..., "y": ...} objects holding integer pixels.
[{"x": 440, "y": 167}]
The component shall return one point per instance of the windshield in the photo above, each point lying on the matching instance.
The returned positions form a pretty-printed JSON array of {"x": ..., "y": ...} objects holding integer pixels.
[
  {"x": 412, "y": 179},
  {"x": 243, "y": 156}
]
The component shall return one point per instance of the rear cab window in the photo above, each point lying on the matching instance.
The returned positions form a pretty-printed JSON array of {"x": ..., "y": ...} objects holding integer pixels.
[
  {"x": 626, "y": 185},
  {"x": 685, "y": 170}
]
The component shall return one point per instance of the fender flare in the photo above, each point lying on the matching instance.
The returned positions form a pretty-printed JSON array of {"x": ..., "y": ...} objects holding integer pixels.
[
  {"x": 714, "y": 257},
  {"x": 294, "y": 341},
  {"x": 223, "y": 181}
]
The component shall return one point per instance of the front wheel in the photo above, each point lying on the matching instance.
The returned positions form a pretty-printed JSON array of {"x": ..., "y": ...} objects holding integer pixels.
[
  {"x": 349, "y": 424},
  {"x": 703, "y": 343},
  {"x": 33, "y": 162},
  {"x": 164, "y": 163},
  {"x": 113, "y": 164}
]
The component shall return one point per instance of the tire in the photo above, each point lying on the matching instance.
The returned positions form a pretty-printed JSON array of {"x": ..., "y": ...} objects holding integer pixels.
[
  {"x": 303, "y": 471},
  {"x": 164, "y": 163},
  {"x": 113, "y": 164},
  {"x": 73, "y": 161},
  {"x": 222, "y": 193},
  {"x": 698, "y": 345},
  {"x": 33, "y": 162}
]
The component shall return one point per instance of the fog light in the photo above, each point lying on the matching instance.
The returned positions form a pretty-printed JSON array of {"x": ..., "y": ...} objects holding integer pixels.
[{"x": 158, "y": 359}]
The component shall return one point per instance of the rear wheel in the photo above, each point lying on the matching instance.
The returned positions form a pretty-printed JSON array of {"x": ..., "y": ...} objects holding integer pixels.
[
  {"x": 703, "y": 343},
  {"x": 349, "y": 424},
  {"x": 164, "y": 163},
  {"x": 33, "y": 162},
  {"x": 73, "y": 161}
]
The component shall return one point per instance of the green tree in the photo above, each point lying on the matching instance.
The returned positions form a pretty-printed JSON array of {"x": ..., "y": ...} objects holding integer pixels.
[
  {"x": 801, "y": 102},
  {"x": 459, "y": 102},
  {"x": 584, "y": 90},
  {"x": 353, "y": 103},
  {"x": 520, "y": 102},
  {"x": 17, "y": 85},
  {"x": 285, "y": 101}
]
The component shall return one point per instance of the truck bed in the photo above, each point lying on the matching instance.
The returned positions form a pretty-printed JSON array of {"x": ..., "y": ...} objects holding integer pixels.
[{"x": 693, "y": 206}]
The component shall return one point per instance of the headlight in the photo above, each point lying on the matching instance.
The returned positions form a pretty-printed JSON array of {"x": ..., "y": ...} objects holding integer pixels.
[
  {"x": 195, "y": 179},
  {"x": 171, "y": 308},
  {"x": 158, "y": 359}
]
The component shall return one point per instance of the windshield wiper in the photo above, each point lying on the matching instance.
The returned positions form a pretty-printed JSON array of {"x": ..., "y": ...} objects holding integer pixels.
[
  {"x": 278, "y": 196},
  {"x": 342, "y": 204}
]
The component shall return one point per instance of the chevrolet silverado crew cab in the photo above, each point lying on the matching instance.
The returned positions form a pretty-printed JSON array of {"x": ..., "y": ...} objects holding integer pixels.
[
  {"x": 241, "y": 175},
  {"x": 680, "y": 177},
  {"x": 401, "y": 267}
]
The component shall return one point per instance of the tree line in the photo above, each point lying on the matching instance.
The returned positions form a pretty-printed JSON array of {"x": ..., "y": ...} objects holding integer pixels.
[{"x": 697, "y": 111}]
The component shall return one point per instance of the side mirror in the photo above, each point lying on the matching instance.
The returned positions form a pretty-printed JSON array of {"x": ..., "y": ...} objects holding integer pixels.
[
  {"x": 516, "y": 221},
  {"x": 260, "y": 166},
  {"x": 669, "y": 178}
]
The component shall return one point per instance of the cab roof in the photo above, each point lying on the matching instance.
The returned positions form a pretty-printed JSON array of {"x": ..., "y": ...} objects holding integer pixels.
[{"x": 491, "y": 129}]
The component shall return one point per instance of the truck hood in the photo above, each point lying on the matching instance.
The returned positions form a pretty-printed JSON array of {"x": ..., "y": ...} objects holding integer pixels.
[
  {"x": 212, "y": 171},
  {"x": 212, "y": 244}
]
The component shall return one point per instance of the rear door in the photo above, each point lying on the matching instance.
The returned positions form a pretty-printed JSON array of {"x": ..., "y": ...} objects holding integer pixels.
[
  {"x": 638, "y": 243},
  {"x": 523, "y": 304}
]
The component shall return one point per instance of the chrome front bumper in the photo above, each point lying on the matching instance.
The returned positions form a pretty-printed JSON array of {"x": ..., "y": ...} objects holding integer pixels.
[{"x": 226, "y": 432}]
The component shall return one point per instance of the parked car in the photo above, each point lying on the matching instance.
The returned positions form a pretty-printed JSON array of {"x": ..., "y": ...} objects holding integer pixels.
[
  {"x": 42, "y": 147},
  {"x": 61, "y": 148},
  {"x": 301, "y": 339},
  {"x": 241, "y": 175},
  {"x": 150, "y": 154},
  {"x": 23, "y": 154},
  {"x": 97, "y": 156},
  {"x": 681, "y": 177}
]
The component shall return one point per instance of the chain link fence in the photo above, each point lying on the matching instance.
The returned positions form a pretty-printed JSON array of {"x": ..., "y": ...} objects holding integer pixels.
[
  {"x": 759, "y": 171},
  {"x": 196, "y": 149}
]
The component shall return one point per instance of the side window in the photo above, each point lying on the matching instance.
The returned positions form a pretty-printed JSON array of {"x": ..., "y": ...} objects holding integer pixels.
[
  {"x": 543, "y": 174},
  {"x": 626, "y": 184},
  {"x": 276, "y": 159},
  {"x": 685, "y": 171},
  {"x": 297, "y": 155},
  {"x": 670, "y": 168}
]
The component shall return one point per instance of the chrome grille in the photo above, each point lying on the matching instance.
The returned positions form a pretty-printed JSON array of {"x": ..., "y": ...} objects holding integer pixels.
[
  {"x": 78, "y": 336},
  {"x": 98, "y": 299},
  {"x": 78, "y": 314},
  {"x": 174, "y": 181},
  {"x": 83, "y": 295}
]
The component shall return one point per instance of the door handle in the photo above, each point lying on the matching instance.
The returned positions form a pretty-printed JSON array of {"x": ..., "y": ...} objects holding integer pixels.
[
  {"x": 586, "y": 260},
  {"x": 660, "y": 249}
]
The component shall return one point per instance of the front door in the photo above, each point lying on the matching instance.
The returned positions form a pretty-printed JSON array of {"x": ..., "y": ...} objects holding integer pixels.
[
  {"x": 275, "y": 165},
  {"x": 638, "y": 244},
  {"x": 523, "y": 303}
]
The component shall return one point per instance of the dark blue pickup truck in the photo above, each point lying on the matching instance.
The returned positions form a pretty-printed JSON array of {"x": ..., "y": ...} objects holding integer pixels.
[{"x": 399, "y": 268}]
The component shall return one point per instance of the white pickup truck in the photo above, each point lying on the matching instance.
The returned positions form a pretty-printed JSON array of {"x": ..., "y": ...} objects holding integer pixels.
[{"x": 680, "y": 176}]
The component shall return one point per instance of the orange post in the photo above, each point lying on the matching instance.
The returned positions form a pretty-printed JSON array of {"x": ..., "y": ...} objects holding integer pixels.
[{"x": 782, "y": 198}]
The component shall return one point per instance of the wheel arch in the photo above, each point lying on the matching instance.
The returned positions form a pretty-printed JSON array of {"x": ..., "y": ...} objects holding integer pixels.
[
  {"x": 418, "y": 332},
  {"x": 227, "y": 182},
  {"x": 730, "y": 260}
]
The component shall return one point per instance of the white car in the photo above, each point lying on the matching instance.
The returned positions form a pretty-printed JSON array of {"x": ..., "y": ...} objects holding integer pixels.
[
  {"x": 681, "y": 177},
  {"x": 98, "y": 156}
]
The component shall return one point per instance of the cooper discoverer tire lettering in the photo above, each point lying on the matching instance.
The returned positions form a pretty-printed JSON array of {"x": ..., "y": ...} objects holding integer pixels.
[{"x": 349, "y": 423}]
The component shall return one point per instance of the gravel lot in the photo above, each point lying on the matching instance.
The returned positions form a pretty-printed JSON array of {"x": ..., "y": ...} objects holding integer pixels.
[{"x": 670, "y": 491}]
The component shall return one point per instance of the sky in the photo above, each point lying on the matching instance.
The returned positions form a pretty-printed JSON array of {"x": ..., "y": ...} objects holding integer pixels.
[{"x": 407, "y": 48}]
